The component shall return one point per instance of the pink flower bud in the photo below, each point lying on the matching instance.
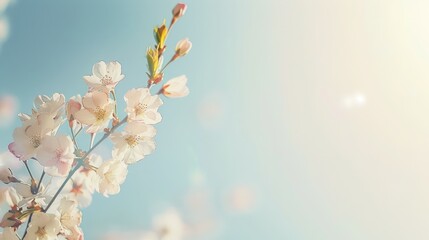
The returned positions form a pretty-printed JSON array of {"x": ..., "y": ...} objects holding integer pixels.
[
  {"x": 183, "y": 47},
  {"x": 72, "y": 107},
  {"x": 179, "y": 10}
]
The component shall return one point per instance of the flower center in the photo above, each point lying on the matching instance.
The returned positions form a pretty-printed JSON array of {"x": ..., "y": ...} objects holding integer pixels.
[
  {"x": 35, "y": 141},
  {"x": 41, "y": 232},
  {"x": 132, "y": 140},
  {"x": 100, "y": 114},
  {"x": 106, "y": 80},
  {"x": 140, "y": 108},
  {"x": 77, "y": 189},
  {"x": 58, "y": 154}
]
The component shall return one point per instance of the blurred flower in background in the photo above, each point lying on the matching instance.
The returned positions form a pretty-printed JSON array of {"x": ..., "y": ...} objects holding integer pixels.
[
  {"x": 168, "y": 225},
  {"x": 8, "y": 108},
  {"x": 4, "y": 29},
  {"x": 4, "y": 24},
  {"x": 240, "y": 199},
  {"x": 354, "y": 100},
  {"x": 203, "y": 214},
  {"x": 211, "y": 110}
]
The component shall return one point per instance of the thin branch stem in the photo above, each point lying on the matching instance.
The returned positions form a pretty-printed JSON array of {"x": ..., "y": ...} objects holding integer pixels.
[
  {"x": 40, "y": 181},
  {"x": 31, "y": 215},
  {"x": 171, "y": 60},
  {"x": 116, "y": 104},
  {"x": 77, "y": 133},
  {"x": 28, "y": 224},
  {"x": 74, "y": 139},
  {"x": 28, "y": 170},
  {"x": 78, "y": 165}
]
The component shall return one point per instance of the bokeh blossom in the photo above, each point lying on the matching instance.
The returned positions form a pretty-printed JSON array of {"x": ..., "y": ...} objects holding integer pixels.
[{"x": 8, "y": 105}]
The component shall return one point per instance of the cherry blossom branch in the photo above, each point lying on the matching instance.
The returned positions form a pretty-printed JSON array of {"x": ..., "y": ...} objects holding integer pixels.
[
  {"x": 80, "y": 162},
  {"x": 78, "y": 165},
  {"x": 62, "y": 153}
]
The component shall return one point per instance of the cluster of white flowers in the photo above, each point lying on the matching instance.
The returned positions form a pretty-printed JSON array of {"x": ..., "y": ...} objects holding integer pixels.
[{"x": 50, "y": 206}]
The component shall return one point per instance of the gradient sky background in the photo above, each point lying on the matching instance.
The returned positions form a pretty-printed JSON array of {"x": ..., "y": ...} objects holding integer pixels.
[{"x": 318, "y": 108}]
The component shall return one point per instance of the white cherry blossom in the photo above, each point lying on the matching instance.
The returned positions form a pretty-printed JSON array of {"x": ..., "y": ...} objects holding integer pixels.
[
  {"x": 56, "y": 154},
  {"x": 70, "y": 216},
  {"x": 53, "y": 106},
  {"x": 25, "y": 195},
  {"x": 104, "y": 76},
  {"x": 142, "y": 106},
  {"x": 97, "y": 112},
  {"x": 29, "y": 137},
  {"x": 134, "y": 143},
  {"x": 45, "y": 120},
  {"x": 82, "y": 184},
  {"x": 75, "y": 189},
  {"x": 112, "y": 174},
  {"x": 44, "y": 226},
  {"x": 87, "y": 174},
  {"x": 12, "y": 197},
  {"x": 176, "y": 87}
]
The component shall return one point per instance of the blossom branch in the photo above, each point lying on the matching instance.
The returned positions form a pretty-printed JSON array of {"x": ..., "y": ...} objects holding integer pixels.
[
  {"x": 78, "y": 165},
  {"x": 39, "y": 138},
  {"x": 80, "y": 162}
]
